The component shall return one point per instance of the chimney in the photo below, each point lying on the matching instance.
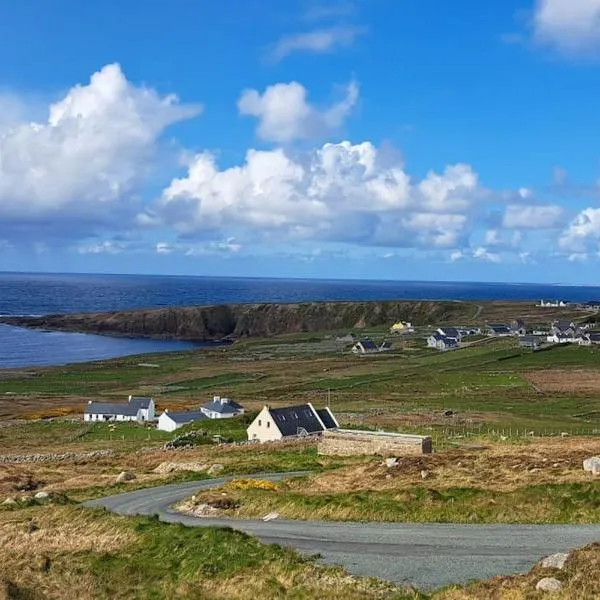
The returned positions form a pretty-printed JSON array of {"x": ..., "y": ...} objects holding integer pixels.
[
  {"x": 224, "y": 401},
  {"x": 130, "y": 397},
  {"x": 89, "y": 401},
  {"x": 216, "y": 398}
]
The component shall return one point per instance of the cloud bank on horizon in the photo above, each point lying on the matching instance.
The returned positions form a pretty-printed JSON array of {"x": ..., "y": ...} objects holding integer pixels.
[{"x": 107, "y": 170}]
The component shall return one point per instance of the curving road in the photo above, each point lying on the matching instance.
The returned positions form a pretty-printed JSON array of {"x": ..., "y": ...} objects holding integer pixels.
[{"x": 425, "y": 555}]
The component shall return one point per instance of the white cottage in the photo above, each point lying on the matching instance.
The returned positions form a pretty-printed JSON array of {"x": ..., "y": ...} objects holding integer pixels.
[
  {"x": 170, "y": 421},
  {"x": 222, "y": 408},
  {"x": 136, "y": 409},
  {"x": 274, "y": 424}
]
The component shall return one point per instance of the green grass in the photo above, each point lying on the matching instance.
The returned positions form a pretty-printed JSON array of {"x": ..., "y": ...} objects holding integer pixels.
[{"x": 560, "y": 503}]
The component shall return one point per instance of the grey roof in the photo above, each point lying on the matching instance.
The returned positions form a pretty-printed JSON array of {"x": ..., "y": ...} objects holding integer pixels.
[
  {"x": 450, "y": 341},
  {"x": 327, "y": 418},
  {"x": 499, "y": 328},
  {"x": 140, "y": 402},
  {"x": 437, "y": 336},
  {"x": 594, "y": 336},
  {"x": 108, "y": 408},
  {"x": 181, "y": 418},
  {"x": 225, "y": 408},
  {"x": 386, "y": 345},
  {"x": 291, "y": 420},
  {"x": 564, "y": 325}
]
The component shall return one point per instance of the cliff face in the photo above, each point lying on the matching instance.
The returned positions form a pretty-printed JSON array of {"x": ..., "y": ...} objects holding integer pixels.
[{"x": 206, "y": 323}]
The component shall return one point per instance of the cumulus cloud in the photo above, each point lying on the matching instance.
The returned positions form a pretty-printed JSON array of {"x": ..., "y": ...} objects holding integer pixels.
[
  {"x": 229, "y": 246},
  {"x": 285, "y": 114},
  {"x": 105, "y": 247},
  {"x": 571, "y": 26},
  {"x": 583, "y": 231},
  {"x": 339, "y": 192},
  {"x": 83, "y": 163},
  {"x": 484, "y": 254},
  {"x": 317, "y": 41},
  {"x": 522, "y": 216}
]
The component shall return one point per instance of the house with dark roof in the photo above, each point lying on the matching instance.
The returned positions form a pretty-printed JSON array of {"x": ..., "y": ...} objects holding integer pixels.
[
  {"x": 365, "y": 346},
  {"x": 222, "y": 408},
  {"x": 499, "y": 330},
  {"x": 442, "y": 342},
  {"x": 449, "y": 332},
  {"x": 138, "y": 409},
  {"x": 274, "y": 424},
  {"x": 170, "y": 421}
]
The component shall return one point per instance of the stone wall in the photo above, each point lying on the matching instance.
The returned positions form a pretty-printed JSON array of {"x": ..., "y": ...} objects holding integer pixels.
[
  {"x": 66, "y": 456},
  {"x": 349, "y": 443}
]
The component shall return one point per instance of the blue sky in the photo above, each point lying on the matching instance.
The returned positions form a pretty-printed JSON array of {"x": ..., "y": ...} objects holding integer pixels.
[{"x": 412, "y": 139}]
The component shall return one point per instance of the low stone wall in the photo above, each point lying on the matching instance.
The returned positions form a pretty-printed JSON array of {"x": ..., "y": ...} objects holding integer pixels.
[
  {"x": 29, "y": 458},
  {"x": 350, "y": 443}
]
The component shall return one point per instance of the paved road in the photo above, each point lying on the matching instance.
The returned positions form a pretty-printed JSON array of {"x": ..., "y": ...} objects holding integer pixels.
[{"x": 425, "y": 555}]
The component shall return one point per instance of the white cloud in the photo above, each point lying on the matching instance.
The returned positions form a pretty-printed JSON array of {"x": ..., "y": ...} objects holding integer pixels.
[
  {"x": 229, "y": 246},
  {"x": 83, "y": 162},
  {"x": 339, "y": 192},
  {"x": 106, "y": 247},
  {"x": 285, "y": 114},
  {"x": 318, "y": 41},
  {"x": 483, "y": 254},
  {"x": 518, "y": 216},
  {"x": 456, "y": 255},
  {"x": 571, "y": 26},
  {"x": 578, "y": 257},
  {"x": 585, "y": 228}
]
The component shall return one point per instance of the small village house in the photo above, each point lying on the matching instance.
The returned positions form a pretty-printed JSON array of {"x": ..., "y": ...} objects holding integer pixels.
[
  {"x": 518, "y": 327},
  {"x": 499, "y": 330},
  {"x": 531, "y": 342},
  {"x": 170, "y": 421},
  {"x": 441, "y": 342},
  {"x": 401, "y": 327},
  {"x": 222, "y": 408},
  {"x": 136, "y": 409},
  {"x": 450, "y": 332},
  {"x": 365, "y": 346},
  {"x": 274, "y": 424}
]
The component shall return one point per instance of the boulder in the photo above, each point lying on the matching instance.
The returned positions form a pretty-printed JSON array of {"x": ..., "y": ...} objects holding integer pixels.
[
  {"x": 271, "y": 516},
  {"x": 215, "y": 469},
  {"x": 592, "y": 465},
  {"x": 390, "y": 462},
  {"x": 125, "y": 476},
  {"x": 42, "y": 496},
  {"x": 424, "y": 474},
  {"x": 9, "y": 502},
  {"x": 549, "y": 584},
  {"x": 554, "y": 561}
]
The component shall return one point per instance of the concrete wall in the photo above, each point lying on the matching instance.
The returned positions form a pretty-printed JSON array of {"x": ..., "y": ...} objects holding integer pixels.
[{"x": 349, "y": 443}]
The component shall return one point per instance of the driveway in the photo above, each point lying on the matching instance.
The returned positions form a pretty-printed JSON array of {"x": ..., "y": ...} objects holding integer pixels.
[{"x": 425, "y": 555}]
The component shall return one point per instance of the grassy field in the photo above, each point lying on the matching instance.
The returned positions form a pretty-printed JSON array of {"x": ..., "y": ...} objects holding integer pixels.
[{"x": 491, "y": 384}]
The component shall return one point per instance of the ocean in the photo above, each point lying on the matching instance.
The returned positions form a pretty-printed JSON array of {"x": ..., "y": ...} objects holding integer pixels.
[{"x": 38, "y": 294}]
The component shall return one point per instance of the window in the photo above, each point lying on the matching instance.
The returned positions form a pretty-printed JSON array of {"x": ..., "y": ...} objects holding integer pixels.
[
  {"x": 268, "y": 424},
  {"x": 259, "y": 423}
]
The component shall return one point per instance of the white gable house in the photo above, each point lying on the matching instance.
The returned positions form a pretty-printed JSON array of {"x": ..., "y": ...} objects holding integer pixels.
[
  {"x": 139, "y": 410},
  {"x": 222, "y": 408},
  {"x": 170, "y": 421},
  {"x": 274, "y": 424}
]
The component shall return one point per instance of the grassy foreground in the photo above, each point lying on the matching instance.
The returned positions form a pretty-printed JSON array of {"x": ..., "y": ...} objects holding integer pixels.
[{"x": 67, "y": 553}]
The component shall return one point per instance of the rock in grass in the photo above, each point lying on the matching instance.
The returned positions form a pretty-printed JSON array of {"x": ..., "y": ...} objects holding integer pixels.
[
  {"x": 215, "y": 469},
  {"x": 42, "y": 496},
  {"x": 424, "y": 474},
  {"x": 9, "y": 502},
  {"x": 549, "y": 584},
  {"x": 554, "y": 561},
  {"x": 391, "y": 462},
  {"x": 592, "y": 465},
  {"x": 125, "y": 476},
  {"x": 271, "y": 516}
]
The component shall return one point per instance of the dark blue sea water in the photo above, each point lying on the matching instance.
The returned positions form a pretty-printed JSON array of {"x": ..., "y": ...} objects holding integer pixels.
[{"x": 36, "y": 294}]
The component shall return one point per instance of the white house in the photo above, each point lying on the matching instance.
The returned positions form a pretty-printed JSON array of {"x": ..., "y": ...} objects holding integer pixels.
[
  {"x": 170, "y": 421},
  {"x": 136, "y": 409},
  {"x": 273, "y": 424},
  {"x": 365, "y": 346},
  {"x": 441, "y": 342},
  {"x": 222, "y": 408}
]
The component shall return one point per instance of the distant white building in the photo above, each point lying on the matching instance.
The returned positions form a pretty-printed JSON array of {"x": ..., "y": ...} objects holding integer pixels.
[
  {"x": 274, "y": 424},
  {"x": 222, "y": 408},
  {"x": 170, "y": 421},
  {"x": 137, "y": 409}
]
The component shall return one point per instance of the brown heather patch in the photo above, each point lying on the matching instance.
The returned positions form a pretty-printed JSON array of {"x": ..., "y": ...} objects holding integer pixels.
[
  {"x": 282, "y": 580},
  {"x": 555, "y": 380},
  {"x": 499, "y": 467}
]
